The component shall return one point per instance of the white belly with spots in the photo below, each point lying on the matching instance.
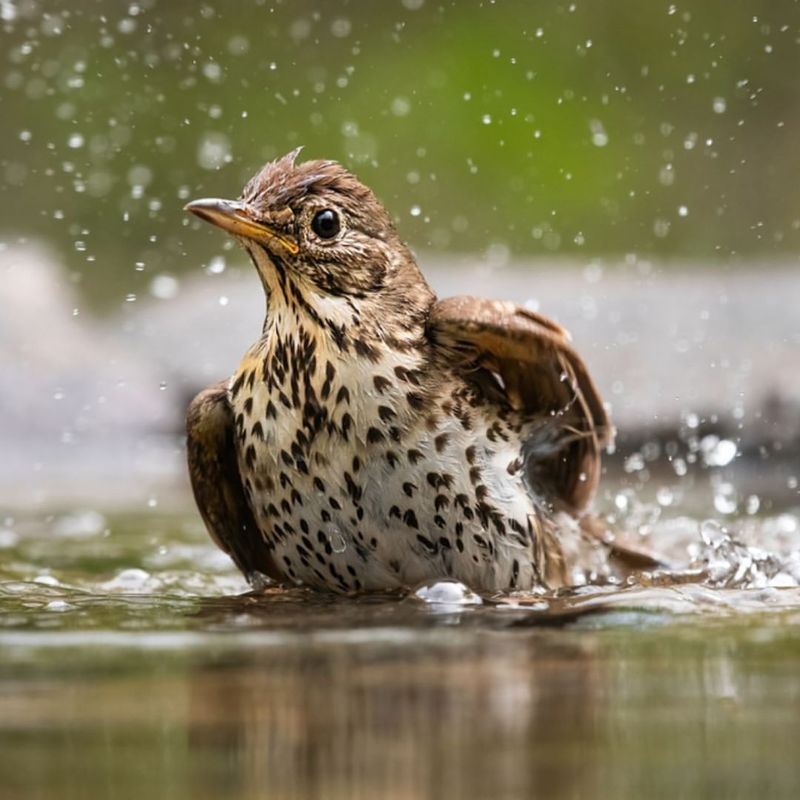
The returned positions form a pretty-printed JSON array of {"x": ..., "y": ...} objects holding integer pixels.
[{"x": 375, "y": 491}]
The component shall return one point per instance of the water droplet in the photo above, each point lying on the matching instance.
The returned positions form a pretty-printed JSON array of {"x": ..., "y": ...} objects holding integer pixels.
[
  {"x": 599, "y": 135},
  {"x": 717, "y": 452},
  {"x": 212, "y": 71},
  {"x": 214, "y": 150},
  {"x": 216, "y": 266},
  {"x": 664, "y": 496},
  {"x": 401, "y": 106},
  {"x": 725, "y": 500},
  {"x": 713, "y": 534},
  {"x": 164, "y": 287},
  {"x": 341, "y": 27}
]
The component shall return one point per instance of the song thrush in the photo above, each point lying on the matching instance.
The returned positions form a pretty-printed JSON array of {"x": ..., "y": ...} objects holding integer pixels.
[{"x": 375, "y": 437}]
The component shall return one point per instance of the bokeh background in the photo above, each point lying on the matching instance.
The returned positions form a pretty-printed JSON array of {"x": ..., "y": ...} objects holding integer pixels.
[
  {"x": 509, "y": 127},
  {"x": 630, "y": 169}
]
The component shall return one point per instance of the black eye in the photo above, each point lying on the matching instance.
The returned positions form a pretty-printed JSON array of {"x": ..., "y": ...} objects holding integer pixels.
[{"x": 325, "y": 224}]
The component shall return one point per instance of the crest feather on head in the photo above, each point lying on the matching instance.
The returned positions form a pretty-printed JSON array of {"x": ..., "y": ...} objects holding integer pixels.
[{"x": 283, "y": 183}]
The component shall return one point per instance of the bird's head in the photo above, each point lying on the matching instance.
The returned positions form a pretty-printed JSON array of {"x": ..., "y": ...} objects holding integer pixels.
[{"x": 316, "y": 233}]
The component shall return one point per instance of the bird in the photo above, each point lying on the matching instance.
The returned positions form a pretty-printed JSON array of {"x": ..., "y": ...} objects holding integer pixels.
[{"x": 375, "y": 437}]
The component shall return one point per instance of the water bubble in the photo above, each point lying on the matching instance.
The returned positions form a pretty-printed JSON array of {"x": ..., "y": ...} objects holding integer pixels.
[
  {"x": 719, "y": 105},
  {"x": 486, "y": 119},
  {"x": 683, "y": 211},
  {"x": 415, "y": 211},
  {"x": 75, "y": 141},
  {"x": 447, "y": 593},
  {"x": 133, "y": 580},
  {"x": 58, "y": 605},
  {"x": 338, "y": 543}
]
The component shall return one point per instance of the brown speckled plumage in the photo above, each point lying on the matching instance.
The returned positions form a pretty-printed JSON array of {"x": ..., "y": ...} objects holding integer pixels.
[{"x": 374, "y": 437}]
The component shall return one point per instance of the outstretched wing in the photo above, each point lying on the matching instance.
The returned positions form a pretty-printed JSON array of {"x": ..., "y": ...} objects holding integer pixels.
[
  {"x": 543, "y": 378},
  {"x": 217, "y": 484}
]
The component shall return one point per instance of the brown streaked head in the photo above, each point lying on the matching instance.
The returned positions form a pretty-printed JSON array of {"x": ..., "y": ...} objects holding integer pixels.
[{"x": 320, "y": 226}]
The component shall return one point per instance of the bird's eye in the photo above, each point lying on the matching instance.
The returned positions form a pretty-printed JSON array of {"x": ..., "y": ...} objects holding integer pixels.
[{"x": 325, "y": 224}]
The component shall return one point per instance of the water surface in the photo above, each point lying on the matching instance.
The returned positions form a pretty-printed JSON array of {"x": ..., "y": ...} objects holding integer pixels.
[{"x": 132, "y": 662}]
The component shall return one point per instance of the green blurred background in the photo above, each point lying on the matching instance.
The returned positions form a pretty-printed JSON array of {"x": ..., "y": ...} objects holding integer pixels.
[{"x": 501, "y": 128}]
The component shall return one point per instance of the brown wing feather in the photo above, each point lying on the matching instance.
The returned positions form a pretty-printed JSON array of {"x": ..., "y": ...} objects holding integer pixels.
[
  {"x": 543, "y": 377},
  {"x": 217, "y": 485}
]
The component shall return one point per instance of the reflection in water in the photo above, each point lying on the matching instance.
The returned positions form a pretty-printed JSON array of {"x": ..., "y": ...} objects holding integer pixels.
[
  {"x": 363, "y": 723},
  {"x": 592, "y": 710}
]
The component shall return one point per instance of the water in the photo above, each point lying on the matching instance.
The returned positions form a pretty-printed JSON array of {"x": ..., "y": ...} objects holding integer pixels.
[{"x": 132, "y": 655}]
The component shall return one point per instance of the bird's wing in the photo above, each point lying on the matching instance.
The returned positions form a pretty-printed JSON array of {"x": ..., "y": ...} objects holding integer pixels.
[
  {"x": 217, "y": 484},
  {"x": 544, "y": 379}
]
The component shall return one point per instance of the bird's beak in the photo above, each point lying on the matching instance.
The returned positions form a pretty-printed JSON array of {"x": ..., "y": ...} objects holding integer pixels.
[{"x": 237, "y": 219}]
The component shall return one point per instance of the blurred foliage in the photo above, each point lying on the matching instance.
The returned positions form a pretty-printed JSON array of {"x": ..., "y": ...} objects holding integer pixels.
[{"x": 504, "y": 127}]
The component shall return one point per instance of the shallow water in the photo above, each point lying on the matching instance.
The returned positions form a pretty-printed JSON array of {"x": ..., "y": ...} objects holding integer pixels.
[{"x": 133, "y": 661}]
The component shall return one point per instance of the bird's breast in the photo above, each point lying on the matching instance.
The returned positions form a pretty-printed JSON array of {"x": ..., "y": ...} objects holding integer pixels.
[{"x": 369, "y": 467}]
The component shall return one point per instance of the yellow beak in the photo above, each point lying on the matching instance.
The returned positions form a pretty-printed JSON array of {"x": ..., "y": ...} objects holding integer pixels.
[{"x": 237, "y": 219}]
